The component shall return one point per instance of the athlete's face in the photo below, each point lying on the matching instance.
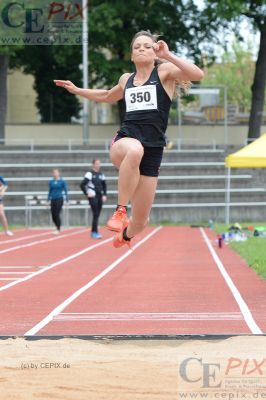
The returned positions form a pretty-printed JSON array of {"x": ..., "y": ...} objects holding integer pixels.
[{"x": 142, "y": 50}]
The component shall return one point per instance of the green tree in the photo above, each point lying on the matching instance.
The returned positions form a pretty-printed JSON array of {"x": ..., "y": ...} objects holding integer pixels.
[
  {"x": 6, "y": 52},
  {"x": 46, "y": 63},
  {"x": 236, "y": 67},
  {"x": 230, "y": 14},
  {"x": 3, "y": 92},
  {"x": 112, "y": 24}
]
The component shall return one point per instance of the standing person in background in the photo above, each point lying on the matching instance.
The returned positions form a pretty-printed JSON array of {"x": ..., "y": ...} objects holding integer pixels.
[
  {"x": 56, "y": 194},
  {"x": 94, "y": 187},
  {"x": 3, "y": 189}
]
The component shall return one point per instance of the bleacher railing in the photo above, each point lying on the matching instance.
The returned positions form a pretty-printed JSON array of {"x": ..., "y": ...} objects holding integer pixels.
[
  {"x": 76, "y": 145},
  {"x": 38, "y": 202},
  {"x": 60, "y": 144}
]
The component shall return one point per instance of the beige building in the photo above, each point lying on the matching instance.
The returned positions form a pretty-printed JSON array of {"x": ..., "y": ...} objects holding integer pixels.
[
  {"x": 21, "y": 107},
  {"x": 21, "y": 99},
  {"x": 23, "y": 122}
]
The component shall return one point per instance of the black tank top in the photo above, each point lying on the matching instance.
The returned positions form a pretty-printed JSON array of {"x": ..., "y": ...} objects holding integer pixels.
[{"x": 147, "y": 110}]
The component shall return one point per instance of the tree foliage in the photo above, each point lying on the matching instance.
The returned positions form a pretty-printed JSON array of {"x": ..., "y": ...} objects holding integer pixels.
[
  {"x": 5, "y": 53},
  {"x": 47, "y": 63},
  {"x": 229, "y": 14},
  {"x": 236, "y": 71},
  {"x": 112, "y": 24}
]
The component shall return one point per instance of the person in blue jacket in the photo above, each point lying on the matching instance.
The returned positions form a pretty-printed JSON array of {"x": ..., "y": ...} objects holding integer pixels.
[
  {"x": 3, "y": 219},
  {"x": 56, "y": 195}
]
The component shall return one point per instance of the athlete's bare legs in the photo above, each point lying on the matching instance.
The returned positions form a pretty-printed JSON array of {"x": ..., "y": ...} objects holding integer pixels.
[
  {"x": 126, "y": 155},
  {"x": 141, "y": 205}
]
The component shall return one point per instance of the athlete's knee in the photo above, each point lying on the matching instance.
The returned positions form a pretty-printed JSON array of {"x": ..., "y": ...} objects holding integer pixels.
[
  {"x": 134, "y": 155},
  {"x": 116, "y": 156}
]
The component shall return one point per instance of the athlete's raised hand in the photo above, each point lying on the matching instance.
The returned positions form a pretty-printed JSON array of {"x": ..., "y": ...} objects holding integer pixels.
[
  {"x": 161, "y": 49},
  {"x": 68, "y": 85}
]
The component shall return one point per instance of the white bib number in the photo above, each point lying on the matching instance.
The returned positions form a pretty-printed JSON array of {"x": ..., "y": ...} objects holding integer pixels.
[{"x": 141, "y": 98}]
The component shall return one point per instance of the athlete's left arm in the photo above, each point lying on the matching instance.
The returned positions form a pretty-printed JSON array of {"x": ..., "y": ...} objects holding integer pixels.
[{"x": 176, "y": 68}]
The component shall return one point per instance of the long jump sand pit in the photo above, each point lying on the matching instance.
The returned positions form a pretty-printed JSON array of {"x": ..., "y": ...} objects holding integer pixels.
[{"x": 79, "y": 369}]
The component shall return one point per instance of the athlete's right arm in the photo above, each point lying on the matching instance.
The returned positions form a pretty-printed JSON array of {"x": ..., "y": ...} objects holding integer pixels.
[{"x": 99, "y": 95}]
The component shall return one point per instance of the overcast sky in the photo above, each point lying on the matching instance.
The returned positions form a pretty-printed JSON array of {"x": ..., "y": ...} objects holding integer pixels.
[{"x": 245, "y": 29}]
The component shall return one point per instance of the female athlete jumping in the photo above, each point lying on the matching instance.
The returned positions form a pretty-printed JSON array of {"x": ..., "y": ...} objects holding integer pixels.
[{"x": 137, "y": 148}]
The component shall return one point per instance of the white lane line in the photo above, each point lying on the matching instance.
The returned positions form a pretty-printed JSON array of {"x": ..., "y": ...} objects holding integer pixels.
[
  {"x": 15, "y": 273},
  {"x": 18, "y": 267},
  {"x": 8, "y": 279},
  {"x": 248, "y": 317},
  {"x": 62, "y": 261},
  {"x": 22, "y": 246},
  {"x": 149, "y": 317},
  {"x": 83, "y": 289},
  {"x": 25, "y": 237}
]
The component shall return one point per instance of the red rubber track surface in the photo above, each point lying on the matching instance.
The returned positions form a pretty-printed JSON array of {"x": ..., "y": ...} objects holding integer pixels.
[{"x": 170, "y": 284}]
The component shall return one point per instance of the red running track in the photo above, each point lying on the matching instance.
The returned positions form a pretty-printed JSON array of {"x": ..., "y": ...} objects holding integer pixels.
[{"x": 175, "y": 281}]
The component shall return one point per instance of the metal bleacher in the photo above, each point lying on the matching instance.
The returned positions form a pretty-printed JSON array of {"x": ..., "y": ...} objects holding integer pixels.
[{"x": 191, "y": 186}]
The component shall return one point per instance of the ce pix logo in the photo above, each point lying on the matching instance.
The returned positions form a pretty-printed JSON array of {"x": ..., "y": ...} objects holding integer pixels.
[{"x": 16, "y": 15}]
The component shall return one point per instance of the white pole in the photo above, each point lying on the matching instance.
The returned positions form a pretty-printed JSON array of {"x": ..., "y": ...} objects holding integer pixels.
[
  {"x": 225, "y": 118},
  {"x": 179, "y": 122},
  {"x": 85, "y": 48},
  {"x": 227, "y": 203}
]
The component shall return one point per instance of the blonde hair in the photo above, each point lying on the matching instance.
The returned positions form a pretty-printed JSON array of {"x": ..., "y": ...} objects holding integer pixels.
[{"x": 182, "y": 85}]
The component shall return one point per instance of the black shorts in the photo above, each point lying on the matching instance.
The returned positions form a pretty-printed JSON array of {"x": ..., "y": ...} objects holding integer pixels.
[{"x": 151, "y": 160}]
